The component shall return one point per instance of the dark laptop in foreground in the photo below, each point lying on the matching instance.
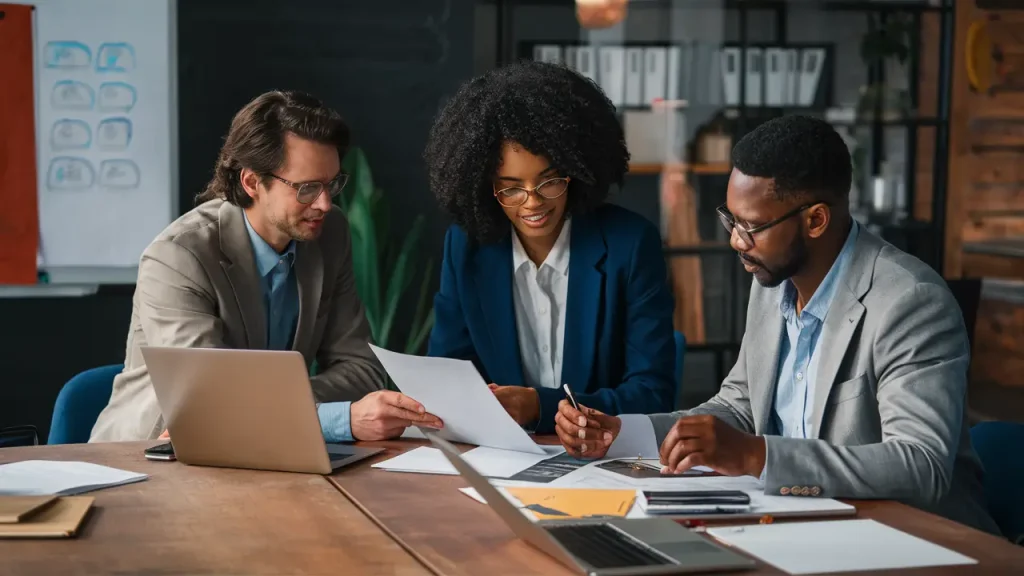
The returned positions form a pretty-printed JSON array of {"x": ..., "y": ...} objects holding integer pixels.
[
  {"x": 243, "y": 409},
  {"x": 617, "y": 547}
]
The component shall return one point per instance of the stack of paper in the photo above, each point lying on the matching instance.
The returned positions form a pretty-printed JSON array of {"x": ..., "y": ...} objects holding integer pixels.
[
  {"x": 836, "y": 546},
  {"x": 40, "y": 477},
  {"x": 491, "y": 462}
]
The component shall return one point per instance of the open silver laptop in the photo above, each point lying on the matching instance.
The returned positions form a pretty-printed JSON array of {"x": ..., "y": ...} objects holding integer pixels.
[
  {"x": 243, "y": 409},
  {"x": 617, "y": 547}
]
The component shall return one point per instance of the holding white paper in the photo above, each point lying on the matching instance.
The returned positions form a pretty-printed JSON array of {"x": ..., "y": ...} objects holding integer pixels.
[{"x": 455, "y": 392}]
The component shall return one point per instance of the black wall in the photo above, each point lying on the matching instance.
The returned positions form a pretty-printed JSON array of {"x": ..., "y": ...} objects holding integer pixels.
[{"x": 385, "y": 65}]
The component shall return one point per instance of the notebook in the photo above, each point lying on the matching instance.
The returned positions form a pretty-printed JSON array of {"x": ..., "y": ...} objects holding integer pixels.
[
  {"x": 44, "y": 477},
  {"x": 61, "y": 519}
]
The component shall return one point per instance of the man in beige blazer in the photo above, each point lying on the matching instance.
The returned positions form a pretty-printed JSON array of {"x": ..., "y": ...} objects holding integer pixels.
[
  {"x": 264, "y": 262},
  {"x": 851, "y": 377}
]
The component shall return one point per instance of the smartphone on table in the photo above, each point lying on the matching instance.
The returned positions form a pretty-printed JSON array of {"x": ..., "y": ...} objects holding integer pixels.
[{"x": 164, "y": 452}]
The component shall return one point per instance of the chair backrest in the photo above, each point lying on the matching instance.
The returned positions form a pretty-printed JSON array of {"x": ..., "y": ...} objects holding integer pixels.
[
  {"x": 79, "y": 404},
  {"x": 680, "y": 356},
  {"x": 998, "y": 444}
]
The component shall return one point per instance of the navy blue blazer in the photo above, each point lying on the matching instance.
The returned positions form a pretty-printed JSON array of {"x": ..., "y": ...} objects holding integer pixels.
[{"x": 619, "y": 352}]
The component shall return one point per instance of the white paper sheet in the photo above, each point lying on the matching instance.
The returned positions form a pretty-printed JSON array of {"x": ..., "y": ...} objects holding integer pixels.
[
  {"x": 455, "y": 392},
  {"x": 41, "y": 477},
  {"x": 636, "y": 438},
  {"x": 836, "y": 546},
  {"x": 491, "y": 462}
]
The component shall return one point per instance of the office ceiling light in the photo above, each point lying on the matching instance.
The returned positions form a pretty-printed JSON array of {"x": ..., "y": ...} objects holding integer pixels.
[{"x": 600, "y": 13}]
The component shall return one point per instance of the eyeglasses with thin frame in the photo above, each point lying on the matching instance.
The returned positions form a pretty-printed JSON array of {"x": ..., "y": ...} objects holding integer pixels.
[
  {"x": 747, "y": 234},
  {"x": 549, "y": 189},
  {"x": 308, "y": 192}
]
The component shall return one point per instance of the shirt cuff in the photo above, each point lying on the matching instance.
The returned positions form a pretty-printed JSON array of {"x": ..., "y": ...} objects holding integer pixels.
[
  {"x": 336, "y": 421},
  {"x": 764, "y": 471}
]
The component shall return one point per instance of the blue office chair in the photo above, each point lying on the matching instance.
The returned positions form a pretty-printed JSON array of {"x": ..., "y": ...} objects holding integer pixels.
[
  {"x": 79, "y": 404},
  {"x": 998, "y": 444},
  {"x": 680, "y": 354}
]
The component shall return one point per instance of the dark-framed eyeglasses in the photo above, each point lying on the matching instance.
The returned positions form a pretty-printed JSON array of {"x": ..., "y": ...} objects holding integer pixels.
[
  {"x": 517, "y": 195},
  {"x": 747, "y": 234},
  {"x": 308, "y": 192}
]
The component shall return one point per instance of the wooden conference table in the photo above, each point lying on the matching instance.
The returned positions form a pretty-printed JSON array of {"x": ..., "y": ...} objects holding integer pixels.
[{"x": 360, "y": 521}]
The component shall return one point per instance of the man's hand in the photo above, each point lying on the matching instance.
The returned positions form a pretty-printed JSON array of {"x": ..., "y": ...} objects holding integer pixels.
[
  {"x": 585, "y": 433},
  {"x": 521, "y": 402},
  {"x": 386, "y": 414},
  {"x": 704, "y": 440},
  {"x": 165, "y": 436}
]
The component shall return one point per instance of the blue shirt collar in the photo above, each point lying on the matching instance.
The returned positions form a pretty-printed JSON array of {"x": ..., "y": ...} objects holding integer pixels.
[
  {"x": 821, "y": 301},
  {"x": 266, "y": 256}
]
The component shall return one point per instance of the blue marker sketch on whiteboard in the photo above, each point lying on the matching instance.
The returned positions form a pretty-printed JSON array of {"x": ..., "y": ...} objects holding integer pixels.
[
  {"x": 116, "y": 97},
  {"x": 123, "y": 174},
  {"x": 115, "y": 57},
  {"x": 70, "y": 134},
  {"x": 66, "y": 55},
  {"x": 72, "y": 95},
  {"x": 114, "y": 133},
  {"x": 69, "y": 173}
]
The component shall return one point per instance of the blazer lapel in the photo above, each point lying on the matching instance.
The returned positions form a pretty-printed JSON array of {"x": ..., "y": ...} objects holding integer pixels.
[
  {"x": 493, "y": 277},
  {"x": 841, "y": 323},
  {"x": 587, "y": 252},
  {"x": 240, "y": 267},
  {"x": 309, "y": 274},
  {"x": 763, "y": 359}
]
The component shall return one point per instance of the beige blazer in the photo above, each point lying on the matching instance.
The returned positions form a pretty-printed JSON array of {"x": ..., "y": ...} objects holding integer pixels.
[
  {"x": 889, "y": 419},
  {"x": 198, "y": 287}
]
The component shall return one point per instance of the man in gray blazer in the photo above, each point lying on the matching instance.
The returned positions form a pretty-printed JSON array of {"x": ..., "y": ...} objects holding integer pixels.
[
  {"x": 851, "y": 377},
  {"x": 264, "y": 262}
]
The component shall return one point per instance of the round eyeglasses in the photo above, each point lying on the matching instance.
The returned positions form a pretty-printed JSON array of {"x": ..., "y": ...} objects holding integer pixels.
[
  {"x": 517, "y": 195},
  {"x": 308, "y": 192}
]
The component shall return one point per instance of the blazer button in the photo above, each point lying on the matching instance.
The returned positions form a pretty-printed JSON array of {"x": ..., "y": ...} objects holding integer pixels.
[
  {"x": 795, "y": 490},
  {"x": 784, "y": 491},
  {"x": 816, "y": 491},
  {"x": 805, "y": 491}
]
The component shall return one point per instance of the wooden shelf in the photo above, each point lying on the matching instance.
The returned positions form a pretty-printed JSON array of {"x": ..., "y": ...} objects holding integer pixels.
[{"x": 723, "y": 168}]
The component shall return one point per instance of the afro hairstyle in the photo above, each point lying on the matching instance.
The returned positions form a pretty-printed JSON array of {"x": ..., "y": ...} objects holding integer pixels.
[
  {"x": 549, "y": 110},
  {"x": 804, "y": 156}
]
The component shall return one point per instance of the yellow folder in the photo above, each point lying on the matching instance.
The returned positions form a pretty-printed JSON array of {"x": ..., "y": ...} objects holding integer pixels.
[{"x": 570, "y": 503}]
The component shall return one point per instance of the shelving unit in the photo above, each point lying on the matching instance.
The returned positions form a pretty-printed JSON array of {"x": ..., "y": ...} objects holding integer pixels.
[{"x": 920, "y": 236}]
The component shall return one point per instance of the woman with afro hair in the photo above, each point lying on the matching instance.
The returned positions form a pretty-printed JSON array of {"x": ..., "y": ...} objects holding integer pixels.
[{"x": 543, "y": 283}]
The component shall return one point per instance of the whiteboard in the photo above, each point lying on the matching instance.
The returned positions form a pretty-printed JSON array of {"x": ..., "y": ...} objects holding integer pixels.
[{"x": 106, "y": 132}]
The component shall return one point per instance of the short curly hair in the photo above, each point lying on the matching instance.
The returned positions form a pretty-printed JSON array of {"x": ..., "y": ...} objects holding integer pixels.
[
  {"x": 549, "y": 110},
  {"x": 804, "y": 156}
]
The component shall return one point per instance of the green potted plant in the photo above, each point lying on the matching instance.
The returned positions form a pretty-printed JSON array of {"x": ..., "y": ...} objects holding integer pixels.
[{"x": 385, "y": 269}]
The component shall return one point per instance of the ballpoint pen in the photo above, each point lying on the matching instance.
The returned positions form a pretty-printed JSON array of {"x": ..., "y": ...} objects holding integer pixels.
[{"x": 568, "y": 394}]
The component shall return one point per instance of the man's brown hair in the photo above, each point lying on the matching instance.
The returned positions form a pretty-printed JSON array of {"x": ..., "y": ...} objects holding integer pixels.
[{"x": 256, "y": 140}]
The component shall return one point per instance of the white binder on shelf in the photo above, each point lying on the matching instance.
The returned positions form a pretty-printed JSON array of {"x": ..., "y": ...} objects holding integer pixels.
[
  {"x": 713, "y": 78},
  {"x": 569, "y": 56},
  {"x": 812, "y": 62},
  {"x": 775, "y": 77},
  {"x": 634, "y": 76},
  {"x": 547, "y": 53},
  {"x": 673, "y": 65},
  {"x": 687, "y": 54},
  {"x": 612, "y": 73},
  {"x": 792, "y": 76},
  {"x": 654, "y": 73},
  {"x": 755, "y": 76},
  {"x": 731, "y": 75},
  {"x": 586, "y": 61}
]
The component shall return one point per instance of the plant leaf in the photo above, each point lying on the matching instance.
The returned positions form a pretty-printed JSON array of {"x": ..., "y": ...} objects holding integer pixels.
[
  {"x": 365, "y": 262},
  {"x": 418, "y": 335},
  {"x": 401, "y": 275}
]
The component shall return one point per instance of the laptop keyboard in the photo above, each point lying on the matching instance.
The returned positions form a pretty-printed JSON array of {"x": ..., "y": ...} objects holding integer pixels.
[{"x": 602, "y": 546}]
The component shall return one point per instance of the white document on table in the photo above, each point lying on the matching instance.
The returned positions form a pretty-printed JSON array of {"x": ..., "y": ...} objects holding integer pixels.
[
  {"x": 455, "y": 392},
  {"x": 836, "y": 546},
  {"x": 43, "y": 477},
  {"x": 490, "y": 462},
  {"x": 636, "y": 438}
]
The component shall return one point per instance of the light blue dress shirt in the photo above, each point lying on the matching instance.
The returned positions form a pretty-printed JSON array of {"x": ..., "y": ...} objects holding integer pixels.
[
  {"x": 798, "y": 353},
  {"x": 281, "y": 306}
]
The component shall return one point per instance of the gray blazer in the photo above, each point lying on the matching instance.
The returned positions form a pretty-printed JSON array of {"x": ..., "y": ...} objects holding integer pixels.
[
  {"x": 889, "y": 419},
  {"x": 198, "y": 287}
]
